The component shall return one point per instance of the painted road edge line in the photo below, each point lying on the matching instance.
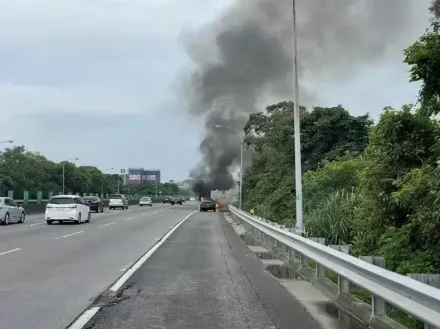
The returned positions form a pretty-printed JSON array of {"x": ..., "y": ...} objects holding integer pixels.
[
  {"x": 84, "y": 318},
  {"x": 147, "y": 255},
  {"x": 9, "y": 251}
]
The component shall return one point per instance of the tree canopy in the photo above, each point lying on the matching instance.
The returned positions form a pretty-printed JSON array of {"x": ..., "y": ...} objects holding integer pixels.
[
  {"x": 375, "y": 186},
  {"x": 22, "y": 170}
]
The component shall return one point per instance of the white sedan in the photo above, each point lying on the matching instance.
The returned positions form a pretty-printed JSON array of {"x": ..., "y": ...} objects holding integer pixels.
[
  {"x": 145, "y": 201},
  {"x": 11, "y": 211},
  {"x": 67, "y": 208}
]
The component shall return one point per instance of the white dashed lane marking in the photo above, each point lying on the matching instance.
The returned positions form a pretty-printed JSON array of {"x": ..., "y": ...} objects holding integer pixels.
[
  {"x": 9, "y": 251},
  {"x": 107, "y": 224},
  {"x": 66, "y": 236}
]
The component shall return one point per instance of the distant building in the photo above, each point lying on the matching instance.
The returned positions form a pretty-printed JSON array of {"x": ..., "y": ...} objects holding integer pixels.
[
  {"x": 142, "y": 176},
  {"x": 151, "y": 176}
]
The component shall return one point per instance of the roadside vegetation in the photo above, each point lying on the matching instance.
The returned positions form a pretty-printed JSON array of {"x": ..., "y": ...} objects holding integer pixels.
[
  {"x": 374, "y": 185},
  {"x": 22, "y": 170}
]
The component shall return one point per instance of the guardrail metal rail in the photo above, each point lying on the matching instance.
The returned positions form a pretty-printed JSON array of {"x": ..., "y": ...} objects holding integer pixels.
[{"x": 411, "y": 296}]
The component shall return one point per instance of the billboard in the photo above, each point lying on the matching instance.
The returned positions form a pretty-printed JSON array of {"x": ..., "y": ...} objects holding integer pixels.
[
  {"x": 150, "y": 177},
  {"x": 134, "y": 177}
]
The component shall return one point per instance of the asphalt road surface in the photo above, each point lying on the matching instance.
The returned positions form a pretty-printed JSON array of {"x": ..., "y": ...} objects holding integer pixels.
[
  {"x": 50, "y": 273},
  {"x": 203, "y": 276}
]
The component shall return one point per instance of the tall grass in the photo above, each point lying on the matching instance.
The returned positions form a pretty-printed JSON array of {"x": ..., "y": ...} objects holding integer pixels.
[{"x": 334, "y": 217}]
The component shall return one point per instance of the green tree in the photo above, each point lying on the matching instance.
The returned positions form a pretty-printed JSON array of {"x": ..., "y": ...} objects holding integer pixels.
[{"x": 423, "y": 57}]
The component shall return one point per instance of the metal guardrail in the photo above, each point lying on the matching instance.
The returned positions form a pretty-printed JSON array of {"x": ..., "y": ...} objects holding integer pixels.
[{"x": 415, "y": 298}]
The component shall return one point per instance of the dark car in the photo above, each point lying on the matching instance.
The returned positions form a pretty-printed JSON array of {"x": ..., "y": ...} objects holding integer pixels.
[
  {"x": 166, "y": 199},
  {"x": 176, "y": 199},
  {"x": 94, "y": 203},
  {"x": 207, "y": 205}
]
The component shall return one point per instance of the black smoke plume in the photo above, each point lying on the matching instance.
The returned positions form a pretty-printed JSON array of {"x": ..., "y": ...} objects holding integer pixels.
[{"x": 243, "y": 62}]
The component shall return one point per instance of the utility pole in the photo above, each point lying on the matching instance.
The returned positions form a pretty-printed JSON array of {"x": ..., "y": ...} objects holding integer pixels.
[
  {"x": 102, "y": 181},
  {"x": 298, "y": 171},
  {"x": 64, "y": 171}
]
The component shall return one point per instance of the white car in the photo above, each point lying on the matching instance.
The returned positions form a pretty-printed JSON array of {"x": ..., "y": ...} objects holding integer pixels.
[
  {"x": 192, "y": 199},
  {"x": 118, "y": 201},
  {"x": 145, "y": 201},
  {"x": 67, "y": 208},
  {"x": 11, "y": 211}
]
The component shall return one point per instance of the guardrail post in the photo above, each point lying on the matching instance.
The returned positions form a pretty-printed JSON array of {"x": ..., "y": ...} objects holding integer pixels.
[
  {"x": 319, "y": 270},
  {"x": 291, "y": 252},
  {"x": 39, "y": 197},
  {"x": 343, "y": 284},
  {"x": 432, "y": 280},
  {"x": 378, "y": 305},
  {"x": 50, "y": 195},
  {"x": 11, "y": 195},
  {"x": 25, "y": 197}
]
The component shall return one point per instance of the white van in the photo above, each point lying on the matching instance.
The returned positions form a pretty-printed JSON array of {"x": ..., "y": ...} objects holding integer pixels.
[
  {"x": 118, "y": 201},
  {"x": 67, "y": 208}
]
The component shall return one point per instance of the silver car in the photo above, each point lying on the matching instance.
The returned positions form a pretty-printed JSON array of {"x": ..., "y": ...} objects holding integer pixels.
[
  {"x": 118, "y": 201},
  {"x": 145, "y": 201},
  {"x": 11, "y": 211}
]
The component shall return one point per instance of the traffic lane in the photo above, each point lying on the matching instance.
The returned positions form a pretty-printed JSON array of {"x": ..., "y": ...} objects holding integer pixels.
[
  {"x": 196, "y": 280},
  {"x": 13, "y": 235},
  {"x": 49, "y": 285},
  {"x": 30, "y": 238}
]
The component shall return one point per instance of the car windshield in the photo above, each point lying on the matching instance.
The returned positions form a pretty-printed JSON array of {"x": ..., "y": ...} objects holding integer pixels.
[
  {"x": 115, "y": 196},
  {"x": 58, "y": 200},
  {"x": 145, "y": 199},
  {"x": 90, "y": 198}
]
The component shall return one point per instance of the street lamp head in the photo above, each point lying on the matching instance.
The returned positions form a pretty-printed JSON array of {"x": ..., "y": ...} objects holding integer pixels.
[
  {"x": 75, "y": 158},
  {"x": 218, "y": 126}
]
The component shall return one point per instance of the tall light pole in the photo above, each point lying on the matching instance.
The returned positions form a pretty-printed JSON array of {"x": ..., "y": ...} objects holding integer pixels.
[
  {"x": 102, "y": 181},
  {"x": 64, "y": 162},
  {"x": 299, "y": 228},
  {"x": 241, "y": 157}
]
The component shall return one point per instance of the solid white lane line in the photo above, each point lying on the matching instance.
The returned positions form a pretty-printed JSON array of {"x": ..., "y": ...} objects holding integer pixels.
[
  {"x": 130, "y": 218},
  {"x": 36, "y": 224},
  {"x": 84, "y": 318},
  {"x": 147, "y": 255},
  {"x": 9, "y": 251},
  {"x": 107, "y": 224},
  {"x": 66, "y": 236}
]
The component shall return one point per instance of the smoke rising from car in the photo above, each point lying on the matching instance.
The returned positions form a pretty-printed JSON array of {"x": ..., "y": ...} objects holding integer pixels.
[{"x": 243, "y": 61}]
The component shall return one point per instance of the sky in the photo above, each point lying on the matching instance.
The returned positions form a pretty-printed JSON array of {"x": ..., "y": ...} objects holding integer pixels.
[{"x": 97, "y": 80}]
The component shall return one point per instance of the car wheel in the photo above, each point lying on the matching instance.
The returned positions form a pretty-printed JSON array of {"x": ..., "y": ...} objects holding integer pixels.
[
  {"x": 214, "y": 210},
  {"x": 49, "y": 222},
  {"x": 6, "y": 219},
  {"x": 97, "y": 209},
  {"x": 88, "y": 218},
  {"x": 102, "y": 208},
  {"x": 78, "y": 221},
  {"x": 22, "y": 217}
]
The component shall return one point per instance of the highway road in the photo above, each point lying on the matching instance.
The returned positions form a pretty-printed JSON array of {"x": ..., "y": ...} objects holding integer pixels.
[
  {"x": 50, "y": 274},
  {"x": 202, "y": 276}
]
